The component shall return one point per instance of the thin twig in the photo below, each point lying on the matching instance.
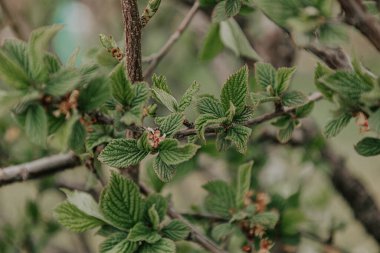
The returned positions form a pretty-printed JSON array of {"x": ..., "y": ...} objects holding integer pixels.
[
  {"x": 357, "y": 16},
  {"x": 155, "y": 59},
  {"x": 38, "y": 168}
]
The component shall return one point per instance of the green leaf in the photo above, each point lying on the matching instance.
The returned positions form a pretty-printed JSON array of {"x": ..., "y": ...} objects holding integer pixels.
[
  {"x": 176, "y": 230},
  {"x": 335, "y": 126},
  {"x": 141, "y": 92},
  {"x": 243, "y": 183},
  {"x": 108, "y": 42},
  {"x": 374, "y": 121},
  {"x": 166, "y": 99},
  {"x": 121, "y": 87},
  {"x": 221, "y": 198},
  {"x": 118, "y": 243},
  {"x": 244, "y": 116},
  {"x": 172, "y": 154},
  {"x": 162, "y": 246},
  {"x": 74, "y": 219},
  {"x": 279, "y": 11},
  {"x": 305, "y": 110},
  {"x": 121, "y": 202},
  {"x": 219, "y": 12},
  {"x": 140, "y": 232},
  {"x": 93, "y": 95},
  {"x": 212, "y": 45},
  {"x": 368, "y": 146},
  {"x": 160, "y": 82},
  {"x": 37, "y": 45},
  {"x": 235, "y": 90},
  {"x": 77, "y": 137},
  {"x": 170, "y": 124},
  {"x": 232, "y": 7},
  {"x": 234, "y": 38},
  {"x": 285, "y": 134},
  {"x": 17, "y": 50},
  {"x": 347, "y": 84},
  {"x": 154, "y": 217},
  {"x": 265, "y": 75},
  {"x": 230, "y": 114},
  {"x": 73, "y": 58},
  {"x": 160, "y": 203},
  {"x": 266, "y": 219},
  {"x": 63, "y": 81},
  {"x": 283, "y": 78},
  {"x": 52, "y": 62},
  {"x": 121, "y": 153},
  {"x": 205, "y": 120},
  {"x": 208, "y": 104},
  {"x": 164, "y": 172},
  {"x": 294, "y": 98},
  {"x": 219, "y": 232},
  {"x": 36, "y": 124},
  {"x": 239, "y": 136},
  {"x": 12, "y": 73},
  {"x": 320, "y": 72},
  {"x": 188, "y": 97}
]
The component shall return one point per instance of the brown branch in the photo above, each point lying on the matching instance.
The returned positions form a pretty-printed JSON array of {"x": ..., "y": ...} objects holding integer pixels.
[
  {"x": 357, "y": 16},
  {"x": 132, "y": 30},
  {"x": 155, "y": 59},
  {"x": 18, "y": 26},
  {"x": 195, "y": 235},
  {"x": 334, "y": 57},
  {"x": 38, "y": 168}
]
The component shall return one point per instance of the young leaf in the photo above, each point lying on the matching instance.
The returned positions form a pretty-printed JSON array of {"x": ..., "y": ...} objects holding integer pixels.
[
  {"x": 235, "y": 90},
  {"x": 239, "y": 136},
  {"x": 141, "y": 92},
  {"x": 170, "y": 124},
  {"x": 36, "y": 124},
  {"x": 154, "y": 218},
  {"x": 305, "y": 110},
  {"x": 17, "y": 50},
  {"x": 320, "y": 72},
  {"x": 121, "y": 202},
  {"x": 374, "y": 121},
  {"x": 212, "y": 45},
  {"x": 93, "y": 95},
  {"x": 243, "y": 183},
  {"x": 368, "y": 146},
  {"x": 74, "y": 219},
  {"x": 205, "y": 120},
  {"x": 118, "y": 242},
  {"x": 219, "y": 12},
  {"x": 164, "y": 172},
  {"x": 122, "y": 89},
  {"x": 166, "y": 99},
  {"x": 160, "y": 82},
  {"x": 266, "y": 219},
  {"x": 283, "y": 78},
  {"x": 279, "y": 11},
  {"x": 175, "y": 230},
  {"x": 121, "y": 153},
  {"x": 162, "y": 246},
  {"x": 232, "y": 7},
  {"x": 336, "y": 125},
  {"x": 293, "y": 98},
  {"x": 234, "y": 38},
  {"x": 188, "y": 97},
  {"x": 12, "y": 73},
  {"x": 38, "y": 42},
  {"x": 221, "y": 198},
  {"x": 160, "y": 204},
  {"x": 172, "y": 154},
  {"x": 285, "y": 134},
  {"x": 265, "y": 75},
  {"x": 244, "y": 116},
  {"x": 77, "y": 137},
  {"x": 208, "y": 104},
  {"x": 221, "y": 231},
  {"x": 140, "y": 232}
]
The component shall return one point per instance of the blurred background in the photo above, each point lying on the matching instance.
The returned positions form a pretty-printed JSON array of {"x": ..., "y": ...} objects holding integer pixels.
[{"x": 26, "y": 208}]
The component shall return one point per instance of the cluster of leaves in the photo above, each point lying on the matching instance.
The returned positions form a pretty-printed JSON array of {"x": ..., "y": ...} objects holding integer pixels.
[
  {"x": 275, "y": 88},
  {"x": 244, "y": 211},
  {"x": 230, "y": 112},
  {"x": 356, "y": 94},
  {"x": 46, "y": 96},
  {"x": 307, "y": 20},
  {"x": 129, "y": 222}
]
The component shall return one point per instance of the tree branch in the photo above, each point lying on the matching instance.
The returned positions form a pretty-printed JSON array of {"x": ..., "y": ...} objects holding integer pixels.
[
  {"x": 18, "y": 26},
  {"x": 38, "y": 168},
  {"x": 155, "y": 59},
  {"x": 357, "y": 16},
  {"x": 132, "y": 30}
]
